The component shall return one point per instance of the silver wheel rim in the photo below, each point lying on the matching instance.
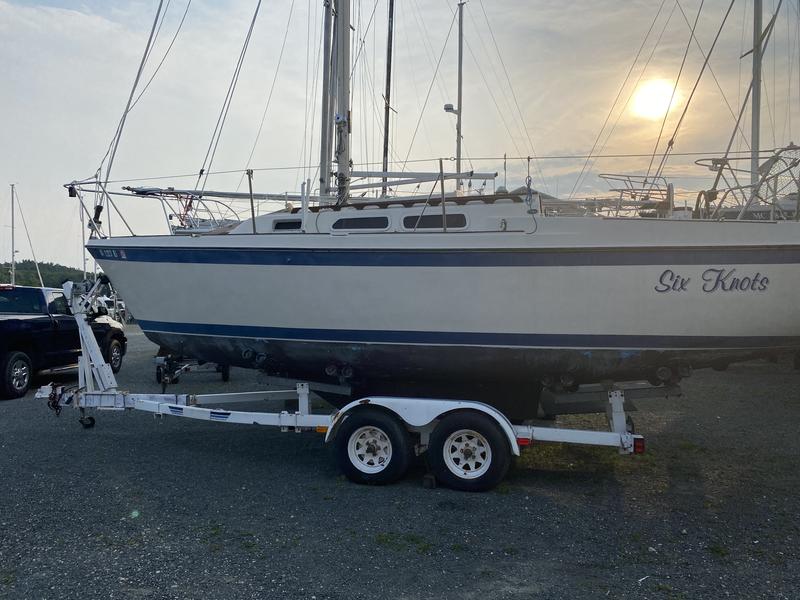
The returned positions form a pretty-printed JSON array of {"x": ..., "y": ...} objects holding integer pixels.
[
  {"x": 369, "y": 449},
  {"x": 116, "y": 355},
  {"x": 20, "y": 374},
  {"x": 467, "y": 454}
]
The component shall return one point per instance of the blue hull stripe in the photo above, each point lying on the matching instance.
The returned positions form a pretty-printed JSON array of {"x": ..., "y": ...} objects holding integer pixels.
[
  {"x": 732, "y": 255},
  {"x": 521, "y": 340}
]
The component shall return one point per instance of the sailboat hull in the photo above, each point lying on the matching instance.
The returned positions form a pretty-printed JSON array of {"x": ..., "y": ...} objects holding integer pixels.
[{"x": 433, "y": 310}]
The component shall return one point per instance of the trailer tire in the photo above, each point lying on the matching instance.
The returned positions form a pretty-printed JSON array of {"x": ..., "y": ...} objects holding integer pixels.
[
  {"x": 16, "y": 372},
  {"x": 373, "y": 447},
  {"x": 225, "y": 371},
  {"x": 469, "y": 452}
]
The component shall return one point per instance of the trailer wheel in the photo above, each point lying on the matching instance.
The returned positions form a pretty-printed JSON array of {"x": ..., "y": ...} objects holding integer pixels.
[
  {"x": 159, "y": 374},
  {"x": 372, "y": 447},
  {"x": 225, "y": 371},
  {"x": 86, "y": 422},
  {"x": 468, "y": 451}
]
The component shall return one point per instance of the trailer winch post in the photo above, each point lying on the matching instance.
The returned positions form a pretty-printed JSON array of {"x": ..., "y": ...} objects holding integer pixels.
[{"x": 94, "y": 373}]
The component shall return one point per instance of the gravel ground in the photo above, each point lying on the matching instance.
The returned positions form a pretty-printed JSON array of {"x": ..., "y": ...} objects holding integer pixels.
[{"x": 175, "y": 508}]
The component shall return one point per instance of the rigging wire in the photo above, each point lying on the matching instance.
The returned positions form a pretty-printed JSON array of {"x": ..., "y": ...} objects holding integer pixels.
[
  {"x": 363, "y": 37},
  {"x": 635, "y": 85},
  {"x": 672, "y": 139},
  {"x": 28, "y": 235},
  {"x": 412, "y": 73},
  {"x": 399, "y": 161},
  {"x": 315, "y": 82},
  {"x": 619, "y": 93},
  {"x": 741, "y": 136},
  {"x": 428, "y": 95},
  {"x": 112, "y": 150},
  {"x": 215, "y": 137},
  {"x": 494, "y": 101},
  {"x": 166, "y": 52},
  {"x": 675, "y": 88},
  {"x": 430, "y": 53},
  {"x": 306, "y": 100},
  {"x": 501, "y": 113},
  {"x": 513, "y": 94},
  {"x": 269, "y": 96},
  {"x": 710, "y": 70},
  {"x": 792, "y": 48}
]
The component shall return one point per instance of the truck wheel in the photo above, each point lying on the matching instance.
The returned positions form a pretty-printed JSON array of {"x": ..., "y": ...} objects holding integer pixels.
[
  {"x": 468, "y": 451},
  {"x": 17, "y": 373},
  {"x": 373, "y": 447},
  {"x": 114, "y": 355}
]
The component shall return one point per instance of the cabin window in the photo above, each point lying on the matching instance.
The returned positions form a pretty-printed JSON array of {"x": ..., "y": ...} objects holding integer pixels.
[
  {"x": 362, "y": 223},
  {"x": 454, "y": 221},
  {"x": 286, "y": 225}
]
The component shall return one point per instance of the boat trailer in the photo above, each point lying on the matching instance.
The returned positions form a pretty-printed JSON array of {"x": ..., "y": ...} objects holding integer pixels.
[{"x": 468, "y": 444}]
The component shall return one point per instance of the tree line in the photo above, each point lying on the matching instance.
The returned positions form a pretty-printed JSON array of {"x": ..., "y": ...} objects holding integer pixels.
[{"x": 53, "y": 274}]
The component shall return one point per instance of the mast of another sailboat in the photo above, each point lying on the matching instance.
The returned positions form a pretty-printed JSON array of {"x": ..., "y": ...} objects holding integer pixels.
[
  {"x": 325, "y": 141},
  {"x": 460, "y": 89},
  {"x": 756, "y": 100},
  {"x": 342, "y": 117},
  {"x": 13, "y": 250},
  {"x": 387, "y": 96},
  {"x": 458, "y": 108}
]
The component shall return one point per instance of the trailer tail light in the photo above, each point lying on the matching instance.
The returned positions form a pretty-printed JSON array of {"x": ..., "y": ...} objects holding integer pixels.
[
  {"x": 522, "y": 442},
  {"x": 638, "y": 445}
]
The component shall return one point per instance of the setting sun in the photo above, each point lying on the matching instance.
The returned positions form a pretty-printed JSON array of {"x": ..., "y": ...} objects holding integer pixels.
[{"x": 652, "y": 99}]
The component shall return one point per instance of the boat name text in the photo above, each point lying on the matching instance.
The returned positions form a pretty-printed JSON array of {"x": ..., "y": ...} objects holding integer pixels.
[{"x": 714, "y": 280}]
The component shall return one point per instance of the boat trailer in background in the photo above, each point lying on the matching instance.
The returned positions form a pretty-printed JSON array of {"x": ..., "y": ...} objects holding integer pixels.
[{"x": 468, "y": 444}]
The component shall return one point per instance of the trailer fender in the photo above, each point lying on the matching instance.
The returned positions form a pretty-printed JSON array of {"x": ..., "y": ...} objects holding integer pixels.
[{"x": 420, "y": 412}]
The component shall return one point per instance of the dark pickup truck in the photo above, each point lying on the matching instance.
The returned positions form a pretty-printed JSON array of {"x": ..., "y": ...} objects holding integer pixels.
[{"x": 38, "y": 332}]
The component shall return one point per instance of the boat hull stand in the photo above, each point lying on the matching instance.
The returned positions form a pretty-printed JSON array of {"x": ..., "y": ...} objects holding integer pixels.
[{"x": 469, "y": 444}]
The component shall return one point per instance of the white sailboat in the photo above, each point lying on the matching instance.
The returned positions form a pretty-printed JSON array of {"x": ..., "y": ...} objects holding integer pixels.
[{"x": 478, "y": 297}]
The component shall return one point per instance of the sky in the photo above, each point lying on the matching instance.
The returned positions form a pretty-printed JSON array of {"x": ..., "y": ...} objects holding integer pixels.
[{"x": 541, "y": 77}]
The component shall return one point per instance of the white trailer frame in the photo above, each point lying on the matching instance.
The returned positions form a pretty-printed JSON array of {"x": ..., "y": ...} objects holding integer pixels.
[{"x": 97, "y": 389}]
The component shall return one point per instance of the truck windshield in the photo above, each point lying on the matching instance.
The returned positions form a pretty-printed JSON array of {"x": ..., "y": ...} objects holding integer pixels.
[{"x": 26, "y": 301}]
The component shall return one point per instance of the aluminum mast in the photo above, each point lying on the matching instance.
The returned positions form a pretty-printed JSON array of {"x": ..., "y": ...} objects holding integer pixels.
[
  {"x": 343, "y": 101},
  {"x": 387, "y": 96},
  {"x": 325, "y": 142},
  {"x": 13, "y": 251},
  {"x": 460, "y": 89},
  {"x": 756, "y": 106}
]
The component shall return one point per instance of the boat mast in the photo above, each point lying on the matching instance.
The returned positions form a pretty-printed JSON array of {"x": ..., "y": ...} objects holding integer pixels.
[
  {"x": 386, "y": 96},
  {"x": 460, "y": 89},
  {"x": 756, "y": 106},
  {"x": 343, "y": 101},
  {"x": 13, "y": 250},
  {"x": 325, "y": 142}
]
